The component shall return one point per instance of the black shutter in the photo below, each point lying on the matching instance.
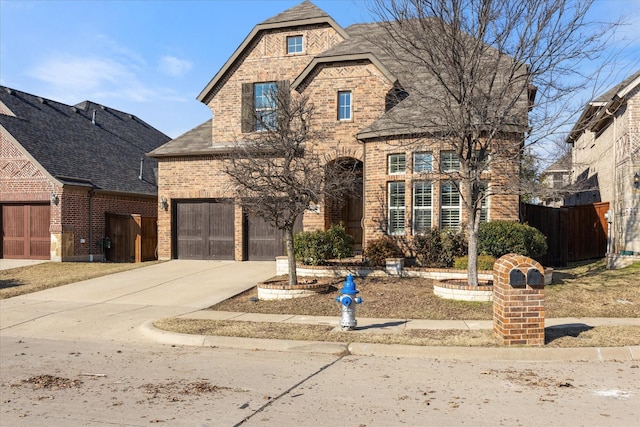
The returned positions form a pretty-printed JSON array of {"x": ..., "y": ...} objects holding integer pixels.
[
  {"x": 248, "y": 113},
  {"x": 284, "y": 94}
]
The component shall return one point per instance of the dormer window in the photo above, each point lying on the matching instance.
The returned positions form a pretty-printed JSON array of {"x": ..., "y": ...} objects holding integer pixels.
[{"x": 294, "y": 44}]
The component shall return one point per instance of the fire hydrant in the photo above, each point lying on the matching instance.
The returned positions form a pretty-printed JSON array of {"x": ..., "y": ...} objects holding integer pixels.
[{"x": 348, "y": 300}]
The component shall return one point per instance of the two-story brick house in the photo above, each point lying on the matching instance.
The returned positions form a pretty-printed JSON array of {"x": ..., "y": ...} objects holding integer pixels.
[{"x": 356, "y": 90}]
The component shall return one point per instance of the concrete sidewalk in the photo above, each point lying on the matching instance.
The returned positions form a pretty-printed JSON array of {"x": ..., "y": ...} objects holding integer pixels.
[{"x": 372, "y": 325}]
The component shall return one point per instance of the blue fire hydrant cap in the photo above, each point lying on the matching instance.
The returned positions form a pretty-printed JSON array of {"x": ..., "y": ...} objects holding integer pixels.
[{"x": 349, "y": 287}]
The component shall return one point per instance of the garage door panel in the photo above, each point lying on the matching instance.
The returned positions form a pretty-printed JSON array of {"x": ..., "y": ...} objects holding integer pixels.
[
  {"x": 25, "y": 231},
  {"x": 205, "y": 230}
]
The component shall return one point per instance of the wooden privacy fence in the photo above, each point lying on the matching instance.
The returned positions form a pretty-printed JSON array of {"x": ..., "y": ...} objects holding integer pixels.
[
  {"x": 574, "y": 233},
  {"x": 133, "y": 238}
]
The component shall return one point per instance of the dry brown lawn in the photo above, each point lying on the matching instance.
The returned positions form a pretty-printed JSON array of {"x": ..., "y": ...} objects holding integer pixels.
[{"x": 581, "y": 290}]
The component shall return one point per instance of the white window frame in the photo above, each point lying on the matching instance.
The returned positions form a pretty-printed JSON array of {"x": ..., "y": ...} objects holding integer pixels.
[
  {"x": 449, "y": 161},
  {"x": 397, "y": 163},
  {"x": 422, "y": 206},
  {"x": 298, "y": 47},
  {"x": 396, "y": 204},
  {"x": 418, "y": 160},
  {"x": 345, "y": 110},
  {"x": 449, "y": 207},
  {"x": 484, "y": 207}
]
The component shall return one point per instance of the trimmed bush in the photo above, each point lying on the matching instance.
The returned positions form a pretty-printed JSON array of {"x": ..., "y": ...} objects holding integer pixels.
[
  {"x": 438, "y": 249},
  {"x": 498, "y": 238},
  {"x": 485, "y": 262},
  {"x": 317, "y": 247},
  {"x": 378, "y": 250}
]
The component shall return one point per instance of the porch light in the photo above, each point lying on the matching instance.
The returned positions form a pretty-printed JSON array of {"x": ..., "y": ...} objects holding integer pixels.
[
  {"x": 636, "y": 181},
  {"x": 54, "y": 199},
  {"x": 164, "y": 205}
]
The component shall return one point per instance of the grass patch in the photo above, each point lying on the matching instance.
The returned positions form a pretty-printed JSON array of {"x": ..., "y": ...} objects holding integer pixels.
[
  {"x": 601, "y": 336},
  {"x": 24, "y": 280}
]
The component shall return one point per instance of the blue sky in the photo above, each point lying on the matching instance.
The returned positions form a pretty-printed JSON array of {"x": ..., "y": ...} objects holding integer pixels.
[{"x": 152, "y": 58}]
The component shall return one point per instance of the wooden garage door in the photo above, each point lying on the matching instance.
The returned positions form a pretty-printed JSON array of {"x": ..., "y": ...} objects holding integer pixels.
[
  {"x": 25, "y": 231},
  {"x": 263, "y": 242},
  {"x": 204, "y": 230}
]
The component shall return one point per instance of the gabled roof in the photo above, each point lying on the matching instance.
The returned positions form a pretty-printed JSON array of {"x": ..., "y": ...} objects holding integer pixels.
[
  {"x": 66, "y": 144},
  {"x": 563, "y": 164},
  {"x": 597, "y": 112},
  {"x": 305, "y": 13},
  {"x": 196, "y": 141}
]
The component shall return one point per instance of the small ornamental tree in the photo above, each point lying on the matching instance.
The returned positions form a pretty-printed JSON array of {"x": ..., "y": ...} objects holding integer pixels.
[{"x": 278, "y": 173}]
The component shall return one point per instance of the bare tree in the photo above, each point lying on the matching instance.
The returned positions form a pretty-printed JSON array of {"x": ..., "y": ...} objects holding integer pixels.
[
  {"x": 481, "y": 77},
  {"x": 278, "y": 172}
]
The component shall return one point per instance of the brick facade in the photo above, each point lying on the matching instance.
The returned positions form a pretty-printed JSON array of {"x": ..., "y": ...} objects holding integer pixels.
[
  {"x": 23, "y": 182},
  {"x": 264, "y": 59}
]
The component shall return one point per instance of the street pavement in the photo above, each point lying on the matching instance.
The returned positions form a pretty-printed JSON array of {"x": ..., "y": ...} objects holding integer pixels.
[{"x": 87, "y": 354}]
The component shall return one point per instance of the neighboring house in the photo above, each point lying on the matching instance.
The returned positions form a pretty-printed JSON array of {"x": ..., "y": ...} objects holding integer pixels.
[
  {"x": 555, "y": 182},
  {"x": 359, "y": 98},
  {"x": 73, "y": 175},
  {"x": 606, "y": 161}
]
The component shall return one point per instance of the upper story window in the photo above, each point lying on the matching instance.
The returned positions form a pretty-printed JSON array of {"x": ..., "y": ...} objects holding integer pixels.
[
  {"x": 344, "y": 105},
  {"x": 265, "y": 101},
  {"x": 294, "y": 44},
  {"x": 397, "y": 163},
  {"x": 422, "y": 162},
  {"x": 449, "y": 161}
]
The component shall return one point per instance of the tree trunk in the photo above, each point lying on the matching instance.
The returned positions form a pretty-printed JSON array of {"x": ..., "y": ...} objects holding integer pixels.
[
  {"x": 472, "y": 266},
  {"x": 291, "y": 256}
]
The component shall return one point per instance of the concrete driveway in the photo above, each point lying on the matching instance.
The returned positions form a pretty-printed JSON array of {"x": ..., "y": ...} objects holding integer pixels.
[{"x": 114, "y": 307}]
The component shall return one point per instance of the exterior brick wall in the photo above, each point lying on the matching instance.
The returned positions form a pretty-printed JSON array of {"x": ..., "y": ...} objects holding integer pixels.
[
  {"x": 503, "y": 203},
  {"x": 265, "y": 60}
]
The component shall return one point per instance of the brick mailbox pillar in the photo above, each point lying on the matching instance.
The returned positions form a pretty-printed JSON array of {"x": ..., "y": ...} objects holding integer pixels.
[{"x": 518, "y": 300}]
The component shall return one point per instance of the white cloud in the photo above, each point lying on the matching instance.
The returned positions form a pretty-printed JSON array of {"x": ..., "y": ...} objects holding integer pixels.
[{"x": 174, "y": 66}]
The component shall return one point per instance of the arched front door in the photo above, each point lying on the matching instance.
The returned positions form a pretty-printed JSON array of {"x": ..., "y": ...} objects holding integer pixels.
[{"x": 348, "y": 211}]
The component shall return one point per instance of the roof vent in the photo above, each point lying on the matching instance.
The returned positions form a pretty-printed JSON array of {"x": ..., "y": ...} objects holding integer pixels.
[
  {"x": 42, "y": 100},
  {"x": 93, "y": 117},
  {"x": 9, "y": 91}
]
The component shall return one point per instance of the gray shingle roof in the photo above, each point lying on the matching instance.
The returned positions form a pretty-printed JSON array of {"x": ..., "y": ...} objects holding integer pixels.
[
  {"x": 302, "y": 11},
  {"x": 65, "y": 142},
  {"x": 608, "y": 95},
  {"x": 193, "y": 142}
]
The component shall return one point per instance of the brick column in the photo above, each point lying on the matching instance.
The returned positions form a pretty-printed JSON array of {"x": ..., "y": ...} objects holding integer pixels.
[{"x": 518, "y": 300}]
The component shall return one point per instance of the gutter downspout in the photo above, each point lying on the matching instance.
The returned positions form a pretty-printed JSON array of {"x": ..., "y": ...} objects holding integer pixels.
[{"x": 91, "y": 194}]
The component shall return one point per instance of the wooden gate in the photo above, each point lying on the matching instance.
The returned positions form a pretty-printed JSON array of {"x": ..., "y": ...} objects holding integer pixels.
[
  {"x": 25, "y": 231},
  {"x": 574, "y": 233},
  {"x": 133, "y": 238}
]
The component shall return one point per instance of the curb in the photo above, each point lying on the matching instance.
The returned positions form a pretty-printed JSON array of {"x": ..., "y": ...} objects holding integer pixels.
[{"x": 520, "y": 354}]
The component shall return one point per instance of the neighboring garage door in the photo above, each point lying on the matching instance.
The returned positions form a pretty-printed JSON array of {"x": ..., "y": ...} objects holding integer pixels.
[
  {"x": 25, "y": 231},
  {"x": 263, "y": 242},
  {"x": 204, "y": 230}
]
